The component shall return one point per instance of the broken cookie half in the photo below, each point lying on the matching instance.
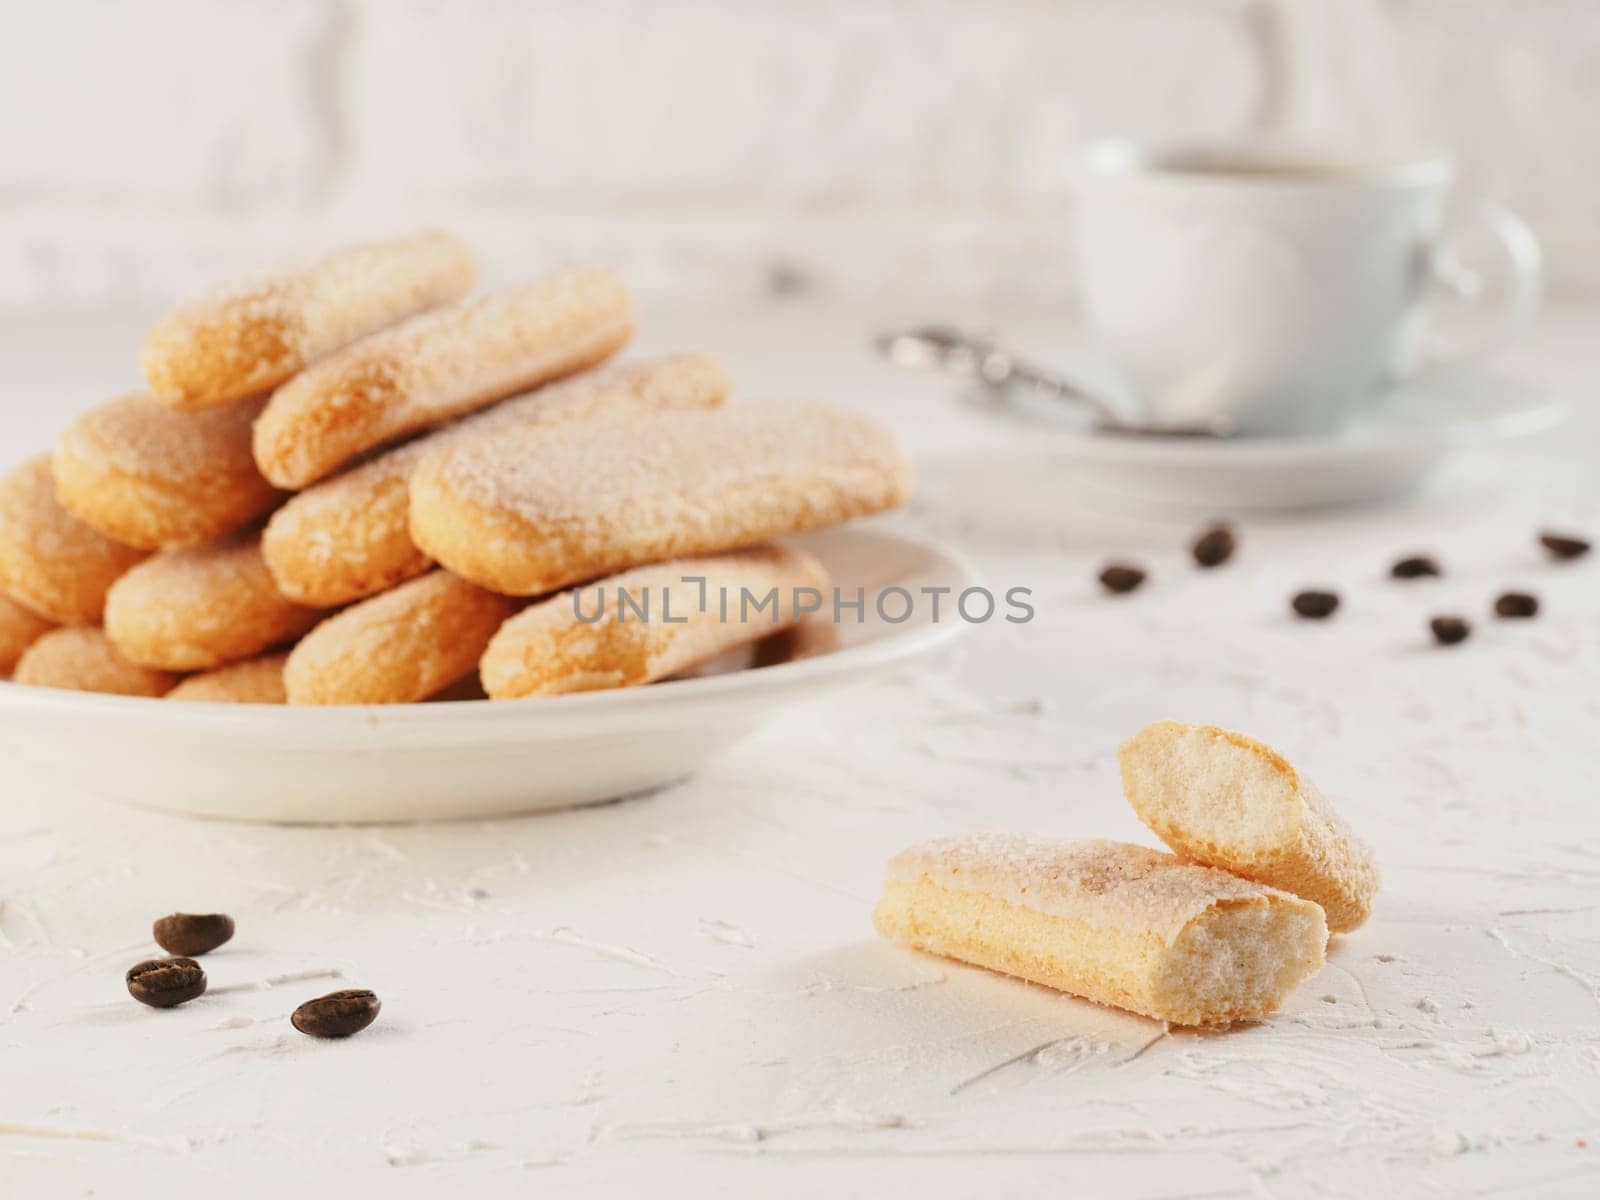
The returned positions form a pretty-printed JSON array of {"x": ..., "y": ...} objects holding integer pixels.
[
  {"x": 1115, "y": 923},
  {"x": 1223, "y": 800}
]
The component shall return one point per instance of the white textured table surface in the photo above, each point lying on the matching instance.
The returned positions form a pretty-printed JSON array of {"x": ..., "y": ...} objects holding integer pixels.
[{"x": 685, "y": 988}]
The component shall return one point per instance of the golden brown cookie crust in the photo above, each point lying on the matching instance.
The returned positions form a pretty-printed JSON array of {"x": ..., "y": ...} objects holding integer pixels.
[
  {"x": 152, "y": 477},
  {"x": 50, "y": 561},
  {"x": 399, "y": 647},
  {"x": 438, "y": 366},
  {"x": 246, "y": 336},
  {"x": 20, "y": 627},
  {"x": 591, "y": 638},
  {"x": 1115, "y": 923},
  {"x": 203, "y": 607},
  {"x": 349, "y": 537},
  {"x": 254, "y": 681},
  {"x": 1225, "y": 800},
  {"x": 527, "y": 513},
  {"x": 82, "y": 659}
]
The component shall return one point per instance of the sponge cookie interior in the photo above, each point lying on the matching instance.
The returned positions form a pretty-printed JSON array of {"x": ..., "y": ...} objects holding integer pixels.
[
  {"x": 1241, "y": 959},
  {"x": 1212, "y": 789}
]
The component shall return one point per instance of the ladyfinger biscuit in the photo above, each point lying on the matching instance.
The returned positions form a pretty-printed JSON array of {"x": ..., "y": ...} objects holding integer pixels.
[
  {"x": 200, "y": 608},
  {"x": 532, "y": 511},
  {"x": 438, "y": 366},
  {"x": 650, "y": 623},
  {"x": 19, "y": 628},
  {"x": 49, "y": 560},
  {"x": 254, "y": 681},
  {"x": 153, "y": 477},
  {"x": 398, "y": 647},
  {"x": 349, "y": 536},
  {"x": 1224, "y": 800},
  {"x": 1115, "y": 923},
  {"x": 82, "y": 659},
  {"x": 251, "y": 334}
]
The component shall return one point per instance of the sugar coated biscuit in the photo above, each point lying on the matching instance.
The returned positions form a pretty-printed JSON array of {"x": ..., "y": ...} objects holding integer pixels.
[
  {"x": 398, "y": 647},
  {"x": 20, "y": 627},
  {"x": 49, "y": 560},
  {"x": 82, "y": 659},
  {"x": 152, "y": 477},
  {"x": 532, "y": 511},
  {"x": 1224, "y": 800},
  {"x": 204, "y": 607},
  {"x": 651, "y": 622},
  {"x": 246, "y": 336},
  {"x": 254, "y": 681},
  {"x": 349, "y": 536},
  {"x": 439, "y": 366},
  {"x": 1115, "y": 923}
]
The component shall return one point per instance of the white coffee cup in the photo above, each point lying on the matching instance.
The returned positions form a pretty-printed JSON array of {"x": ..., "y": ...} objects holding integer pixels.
[{"x": 1274, "y": 290}]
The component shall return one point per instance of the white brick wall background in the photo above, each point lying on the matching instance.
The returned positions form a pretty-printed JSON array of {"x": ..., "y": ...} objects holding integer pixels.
[{"x": 728, "y": 147}]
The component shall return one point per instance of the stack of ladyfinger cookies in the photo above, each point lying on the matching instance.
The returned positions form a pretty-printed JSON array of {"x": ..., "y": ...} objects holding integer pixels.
[
  {"x": 350, "y": 480},
  {"x": 1222, "y": 929}
]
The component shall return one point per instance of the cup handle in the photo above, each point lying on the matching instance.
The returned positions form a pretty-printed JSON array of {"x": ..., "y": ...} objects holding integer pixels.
[{"x": 1450, "y": 273}]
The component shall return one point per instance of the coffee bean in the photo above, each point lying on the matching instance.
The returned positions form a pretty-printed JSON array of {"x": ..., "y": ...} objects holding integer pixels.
[
  {"x": 1563, "y": 545},
  {"x": 164, "y": 982},
  {"x": 1516, "y": 605},
  {"x": 1447, "y": 631},
  {"x": 192, "y": 933},
  {"x": 1119, "y": 578},
  {"x": 1214, "y": 547},
  {"x": 1314, "y": 606},
  {"x": 1415, "y": 568},
  {"x": 338, "y": 1014}
]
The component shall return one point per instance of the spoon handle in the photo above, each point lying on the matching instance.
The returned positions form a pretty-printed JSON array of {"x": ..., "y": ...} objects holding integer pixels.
[
  {"x": 951, "y": 350},
  {"x": 1061, "y": 388}
]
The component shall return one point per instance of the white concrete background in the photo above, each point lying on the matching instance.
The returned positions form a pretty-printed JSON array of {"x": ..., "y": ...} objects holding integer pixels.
[
  {"x": 726, "y": 148},
  {"x": 681, "y": 995}
]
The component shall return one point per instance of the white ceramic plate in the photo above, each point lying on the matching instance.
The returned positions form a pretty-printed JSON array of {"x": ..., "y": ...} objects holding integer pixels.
[
  {"x": 463, "y": 759},
  {"x": 1388, "y": 451}
]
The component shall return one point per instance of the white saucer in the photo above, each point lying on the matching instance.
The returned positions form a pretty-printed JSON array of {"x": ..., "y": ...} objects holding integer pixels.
[
  {"x": 471, "y": 758},
  {"x": 1386, "y": 452}
]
